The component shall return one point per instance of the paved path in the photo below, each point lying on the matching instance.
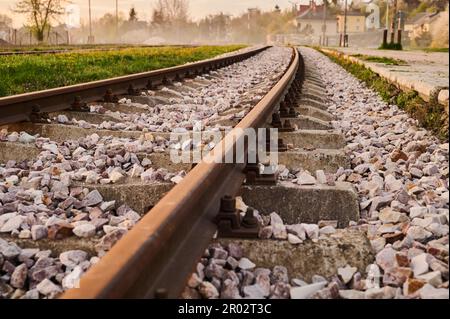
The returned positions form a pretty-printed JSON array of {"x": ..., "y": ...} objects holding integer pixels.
[{"x": 427, "y": 73}]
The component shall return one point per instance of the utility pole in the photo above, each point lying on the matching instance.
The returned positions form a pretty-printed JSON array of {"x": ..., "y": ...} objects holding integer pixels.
[
  {"x": 90, "y": 37},
  {"x": 324, "y": 24},
  {"x": 117, "y": 20},
  {"x": 386, "y": 27},
  {"x": 345, "y": 25},
  {"x": 393, "y": 22},
  {"x": 387, "y": 14}
]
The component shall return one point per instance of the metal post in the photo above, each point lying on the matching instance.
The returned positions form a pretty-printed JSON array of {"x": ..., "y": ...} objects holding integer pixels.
[
  {"x": 324, "y": 24},
  {"x": 393, "y": 20},
  {"x": 345, "y": 24},
  {"x": 90, "y": 37},
  {"x": 387, "y": 15},
  {"x": 117, "y": 20},
  {"x": 385, "y": 35}
]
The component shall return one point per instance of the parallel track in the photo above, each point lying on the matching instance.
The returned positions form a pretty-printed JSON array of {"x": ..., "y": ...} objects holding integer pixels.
[
  {"x": 155, "y": 258},
  {"x": 18, "y": 107}
]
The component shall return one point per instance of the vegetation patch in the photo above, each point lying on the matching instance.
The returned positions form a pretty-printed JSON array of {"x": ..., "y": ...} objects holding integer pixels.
[
  {"x": 27, "y": 73},
  {"x": 391, "y": 46},
  {"x": 380, "y": 59},
  {"x": 431, "y": 116},
  {"x": 75, "y": 47},
  {"x": 436, "y": 50}
]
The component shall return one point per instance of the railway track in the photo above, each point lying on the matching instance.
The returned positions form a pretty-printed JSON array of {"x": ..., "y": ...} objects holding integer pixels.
[{"x": 90, "y": 191}]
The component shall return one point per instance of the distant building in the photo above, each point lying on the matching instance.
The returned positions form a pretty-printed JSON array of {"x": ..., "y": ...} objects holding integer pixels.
[
  {"x": 356, "y": 22},
  {"x": 421, "y": 23},
  {"x": 427, "y": 28},
  {"x": 310, "y": 20},
  {"x": 373, "y": 17}
]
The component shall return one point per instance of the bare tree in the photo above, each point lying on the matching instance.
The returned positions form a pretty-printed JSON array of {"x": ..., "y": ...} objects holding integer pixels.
[
  {"x": 40, "y": 14},
  {"x": 173, "y": 10},
  {"x": 5, "y": 21}
]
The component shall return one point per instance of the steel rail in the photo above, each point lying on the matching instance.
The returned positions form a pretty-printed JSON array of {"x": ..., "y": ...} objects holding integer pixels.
[
  {"x": 155, "y": 258},
  {"x": 18, "y": 108}
]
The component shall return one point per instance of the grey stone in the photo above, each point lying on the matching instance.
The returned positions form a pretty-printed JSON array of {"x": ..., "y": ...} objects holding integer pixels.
[
  {"x": 93, "y": 198},
  {"x": 307, "y": 291},
  {"x": 346, "y": 273},
  {"x": 38, "y": 232},
  {"x": 293, "y": 239},
  {"x": 304, "y": 178},
  {"x": 245, "y": 264},
  {"x": 207, "y": 290},
  {"x": 351, "y": 294},
  {"x": 230, "y": 290},
  {"x": 85, "y": 230},
  {"x": 419, "y": 264},
  {"x": 386, "y": 258},
  {"x": 254, "y": 292},
  {"x": 72, "y": 280},
  {"x": 10, "y": 251},
  {"x": 430, "y": 292},
  {"x": 19, "y": 276},
  {"x": 12, "y": 224},
  {"x": 72, "y": 258},
  {"x": 279, "y": 274},
  {"x": 46, "y": 287}
]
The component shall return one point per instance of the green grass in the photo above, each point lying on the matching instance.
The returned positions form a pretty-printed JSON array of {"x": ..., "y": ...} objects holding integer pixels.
[
  {"x": 431, "y": 116},
  {"x": 391, "y": 46},
  {"x": 39, "y": 48},
  {"x": 436, "y": 50},
  {"x": 27, "y": 73},
  {"x": 379, "y": 59}
]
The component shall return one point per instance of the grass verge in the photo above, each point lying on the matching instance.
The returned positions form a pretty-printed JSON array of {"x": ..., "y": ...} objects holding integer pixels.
[
  {"x": 391, "y": 46},
  {"x": 436, "y": 50},
  {"x": 27, "y": 73},
  {"x": 64, "y": 47},
  {"x": 380, "y": 59},
  {"x": 431, "y": 116}
]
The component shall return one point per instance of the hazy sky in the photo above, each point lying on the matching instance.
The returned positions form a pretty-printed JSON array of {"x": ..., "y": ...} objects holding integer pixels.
[{"x": 197, "y": 8}]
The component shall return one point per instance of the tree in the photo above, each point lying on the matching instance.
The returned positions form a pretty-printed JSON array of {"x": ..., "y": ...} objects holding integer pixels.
[
  {"x": 40, "y": 14},
  {"x": 172, "y": 10},
  {"x": 132, "y": 15},
  {"x": 157, "y": 17},
  {"x": 5, "y": 21}
]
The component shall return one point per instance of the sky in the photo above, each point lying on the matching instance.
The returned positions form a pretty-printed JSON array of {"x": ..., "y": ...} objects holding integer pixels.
[{"x": 197, "y": 8}]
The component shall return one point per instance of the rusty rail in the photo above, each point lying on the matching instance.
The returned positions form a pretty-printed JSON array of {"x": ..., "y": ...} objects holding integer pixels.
[
  {"x": 19, "y": 107},
  {"x": 156, "y": 257}
]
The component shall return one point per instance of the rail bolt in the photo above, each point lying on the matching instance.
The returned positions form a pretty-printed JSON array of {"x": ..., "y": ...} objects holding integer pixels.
[
  {"x": 228, "y": 204},
  {"x": 132, "y": 90},
  {"x": 78, "y": 105},
  {"x": 161, "y": 293},
  {"x": 109, "y": 97},
  {"x": 276, "y": 121},
  {"x": 249, "y": 220}
]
